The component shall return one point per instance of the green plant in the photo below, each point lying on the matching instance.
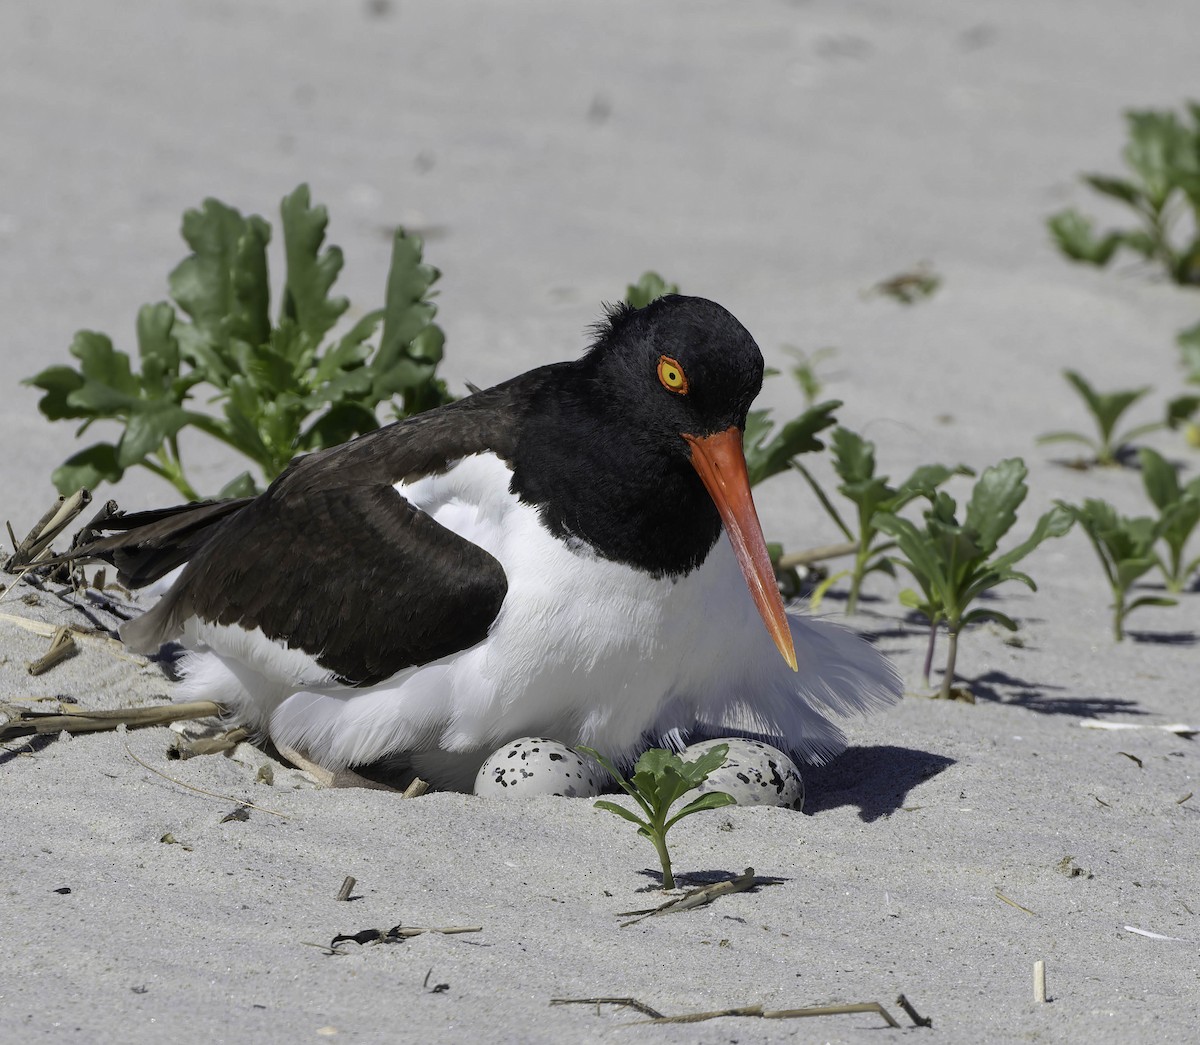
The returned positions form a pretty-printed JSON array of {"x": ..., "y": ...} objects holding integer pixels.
[
  {"x": 1106, "y": 408},
  {"x": 804, "y": 370},
  {"x": 660, "y": 779},
  {"x": 955, "y": 562},
  {"x": 283, "y": 387},
  {"x": 854, "y": 463},
  {"x": 649, "y": 288},
  {"x": 1163, "y": 156},
  {"x": 1179, "y": 512},
  {"x": 769, "y": 452},
  {"x": 1125, "y": 548},
  {"x": 1184, "y": 411}
]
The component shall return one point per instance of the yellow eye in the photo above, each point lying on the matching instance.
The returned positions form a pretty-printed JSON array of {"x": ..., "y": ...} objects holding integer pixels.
[{"x": 670, "y": 373}]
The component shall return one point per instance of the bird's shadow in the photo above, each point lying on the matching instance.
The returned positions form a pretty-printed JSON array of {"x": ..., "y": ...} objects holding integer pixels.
[
  {"x": 875, "y": 779},
  {"x": 999, "y": 687}
]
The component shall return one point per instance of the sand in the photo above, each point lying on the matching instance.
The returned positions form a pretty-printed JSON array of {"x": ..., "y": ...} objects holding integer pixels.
[{"x": 781, "y": 158}]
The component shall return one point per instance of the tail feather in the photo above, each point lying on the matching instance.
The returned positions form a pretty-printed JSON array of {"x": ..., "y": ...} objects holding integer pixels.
[{"x": 145, "y": 546}]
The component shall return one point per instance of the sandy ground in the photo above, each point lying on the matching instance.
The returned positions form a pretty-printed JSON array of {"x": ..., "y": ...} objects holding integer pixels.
[{"x": 781, "y": 158}]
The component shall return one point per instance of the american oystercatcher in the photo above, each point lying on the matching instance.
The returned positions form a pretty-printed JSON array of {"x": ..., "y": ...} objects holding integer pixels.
[{"x": 543, "y": 557}]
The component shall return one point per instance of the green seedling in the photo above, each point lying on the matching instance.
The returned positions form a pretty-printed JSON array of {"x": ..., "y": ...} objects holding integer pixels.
[
  {"x": 1125, "y": 548},
  {"x": 284, "y": 385},
  {"x": 769, "y": 452},
  {"x": 1179, "y": 512},
  {"x": 660, "y": 779},
  {"x": 1108, "y": 447},
  {"x": 804, "y": 370},
  {"x": 649, "y": 288},
  {"x": 1184, "y": 411},
  {"x": 955, "y": 562},
  {"x": 871, "y": 495},
  {"x": 1163, "y": 157}
]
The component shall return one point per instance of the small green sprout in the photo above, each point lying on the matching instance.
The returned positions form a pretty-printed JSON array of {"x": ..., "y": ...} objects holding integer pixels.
[
  {"x": 955, "y": 562},
  {"x": 1179, "y": 512},
  {"x": 1163, "y": 155},
  {"x": 649, "y": 288},
  {"x": 804, "y": 370},
  {"x": 854, "y": 463},
  {"x": 1184, "y": 411},
  {"x": 1106, "y": 408},
  {"x": 284, "y": 387},
  {"x": 1125, "y": 548},
  {"x": 659, "y": 780}
]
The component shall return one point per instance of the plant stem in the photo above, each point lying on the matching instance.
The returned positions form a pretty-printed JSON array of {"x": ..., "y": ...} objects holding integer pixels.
[
  {"x": 1118, "y": 615},
  {"x": 660, "y": 844},
  {"x": 929, "y": 650},
  {"x": 951, "y": 656},
  {"x": 172, "y": 474}
]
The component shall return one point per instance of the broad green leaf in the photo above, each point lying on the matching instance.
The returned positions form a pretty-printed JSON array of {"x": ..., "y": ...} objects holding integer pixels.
[
  {"x": 250, "y": 314},
  {"x": 1074, "y": 235},
  {"x": 1162, "y": 486},
  {"x": 926, "y": 479},
  {"x": 621, "y": 811},
  {"x": 1054, "y": 523},
  {"x": 1151, "y": 600},
  {"x": 207, "y": 283},
  {"x": 1158, "y": 146},
  {"x": 406, "y": 310},
  {"x": 148, "y": 427},
  {"x": 853, "y": 456},
  {"x": 241, "y": 486},
  {"x": 798, "y": 436},
  {"x": 992, "y": 509},
  {"x": 975, "y": 616},
  {"x": 649, "y": 288},
  {"x": 88, "y": 469},
  {"x": 157, "y": 347},
  {"x": 58, "y": 382},
  {"x": 1117, "y": 188},
  {"x": 311, "y": 272},
  {"x": 351, "y": 352},
  {"x": 709, "y": 800},
  {"x": 697, "y": 771}
]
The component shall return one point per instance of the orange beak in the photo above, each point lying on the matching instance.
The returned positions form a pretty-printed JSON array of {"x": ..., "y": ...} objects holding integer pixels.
[{"x": 721, "y": 465}]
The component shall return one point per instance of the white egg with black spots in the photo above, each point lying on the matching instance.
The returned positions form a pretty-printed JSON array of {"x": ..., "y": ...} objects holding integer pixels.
[
  {"x": 756, "y": 774},
  {"x": 535, "y": 766}
]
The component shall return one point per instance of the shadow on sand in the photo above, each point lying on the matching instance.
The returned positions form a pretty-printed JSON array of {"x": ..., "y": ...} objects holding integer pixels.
[{"x": 875, "y": 779}]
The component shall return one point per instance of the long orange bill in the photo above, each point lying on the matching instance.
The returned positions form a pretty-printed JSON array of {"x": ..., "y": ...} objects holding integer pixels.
[{"x": 719, "y": 461}]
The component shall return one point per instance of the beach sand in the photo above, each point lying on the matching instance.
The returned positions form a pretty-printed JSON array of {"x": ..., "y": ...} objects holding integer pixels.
[{"x": 781, "y": 158}]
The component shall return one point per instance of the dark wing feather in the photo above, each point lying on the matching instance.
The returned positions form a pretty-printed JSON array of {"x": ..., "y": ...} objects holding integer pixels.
[
  {"x": 148, "y": 545},
  {"x": 355, "y": 576},
  {"x": 331, "y": 559}
]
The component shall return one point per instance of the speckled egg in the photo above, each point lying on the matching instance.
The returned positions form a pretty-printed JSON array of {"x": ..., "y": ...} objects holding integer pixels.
[
  {"x": 755, "y": 773},
  {"x": 535, "y": 766}
]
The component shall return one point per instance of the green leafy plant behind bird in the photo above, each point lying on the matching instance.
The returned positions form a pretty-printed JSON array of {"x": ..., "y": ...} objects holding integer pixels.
[
  {"x": 1125, "y": 548},
  {"x": 285, "y": 385},
  {"x": 954, "y": 562},
  {"x": 1109, "y": 447}
]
